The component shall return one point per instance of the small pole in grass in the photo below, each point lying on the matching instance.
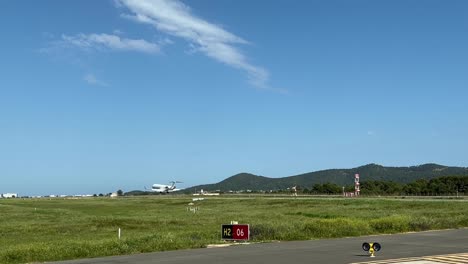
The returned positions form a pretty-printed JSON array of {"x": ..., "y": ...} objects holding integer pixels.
[{"x": 119, "y": 232}]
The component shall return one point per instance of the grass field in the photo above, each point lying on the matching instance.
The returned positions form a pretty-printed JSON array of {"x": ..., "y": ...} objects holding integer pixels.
[{"x": 34, "y": 230}]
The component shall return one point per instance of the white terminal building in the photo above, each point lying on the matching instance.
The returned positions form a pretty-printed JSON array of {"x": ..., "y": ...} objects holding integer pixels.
[{"x": 8, "y": 195}]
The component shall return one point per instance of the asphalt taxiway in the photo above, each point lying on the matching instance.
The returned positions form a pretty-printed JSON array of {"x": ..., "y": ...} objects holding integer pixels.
[{"x": 344, "y": 250}]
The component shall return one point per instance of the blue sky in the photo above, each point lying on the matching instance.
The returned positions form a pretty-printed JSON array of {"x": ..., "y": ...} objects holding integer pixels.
[{"x": 97, "y": 96}]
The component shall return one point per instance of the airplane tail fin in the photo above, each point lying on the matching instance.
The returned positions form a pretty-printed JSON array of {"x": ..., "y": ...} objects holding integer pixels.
[{"x": 173, "y": 184}]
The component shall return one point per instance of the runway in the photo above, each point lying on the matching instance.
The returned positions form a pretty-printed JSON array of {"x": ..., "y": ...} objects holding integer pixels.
[{"x": 401, "y": 248}]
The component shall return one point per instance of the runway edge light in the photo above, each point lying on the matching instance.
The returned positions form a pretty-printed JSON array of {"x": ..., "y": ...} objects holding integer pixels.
[{"x": 371, "y": 248}]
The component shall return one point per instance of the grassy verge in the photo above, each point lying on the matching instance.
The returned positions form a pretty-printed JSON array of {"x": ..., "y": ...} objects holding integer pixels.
[{"x": 58, "y": 229}]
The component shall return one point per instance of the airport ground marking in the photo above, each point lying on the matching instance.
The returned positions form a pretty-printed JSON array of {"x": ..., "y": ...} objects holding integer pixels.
[{"x": 459, "y": 258}]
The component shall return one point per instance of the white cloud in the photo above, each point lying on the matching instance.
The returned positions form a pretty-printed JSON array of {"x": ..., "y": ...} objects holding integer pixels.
[
  {"x": 114, "y": 42},
  {"x": 91, "y": 79},
  {"x": 175, "y": 18},
  {"x": 118, "y": 32}
]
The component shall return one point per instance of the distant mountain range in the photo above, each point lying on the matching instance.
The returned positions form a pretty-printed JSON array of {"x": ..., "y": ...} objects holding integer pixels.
[{"x": 342, "y": 177}]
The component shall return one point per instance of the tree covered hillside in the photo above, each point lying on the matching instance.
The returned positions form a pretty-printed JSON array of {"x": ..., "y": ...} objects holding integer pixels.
[{"x": 340, "y": 177}]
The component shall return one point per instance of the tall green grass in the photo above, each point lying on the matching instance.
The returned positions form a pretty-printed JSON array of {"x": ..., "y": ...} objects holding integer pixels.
[{"x": 34, "y": 230}]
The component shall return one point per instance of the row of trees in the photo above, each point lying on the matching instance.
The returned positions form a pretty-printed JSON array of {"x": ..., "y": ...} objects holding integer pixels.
[
  {"x": 119, "y": 193},
  {"x": 448, "y": 185}
]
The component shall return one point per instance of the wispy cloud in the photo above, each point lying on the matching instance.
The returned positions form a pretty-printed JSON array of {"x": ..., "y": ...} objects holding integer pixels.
[
  {"x": 92, "y": 80},
  {"x": 175, "y": 18},
  {"x": 113, "y": 42},
  {"x": 117, "y": 32}
]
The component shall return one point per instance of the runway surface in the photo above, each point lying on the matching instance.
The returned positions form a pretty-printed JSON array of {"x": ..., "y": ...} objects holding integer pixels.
[{"x": 412, "y": 247}]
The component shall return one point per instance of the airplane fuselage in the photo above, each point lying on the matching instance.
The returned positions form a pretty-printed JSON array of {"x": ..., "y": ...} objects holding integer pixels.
[
  {"x": 160, "y": 188},
  {"x": 163, "y": 188}
]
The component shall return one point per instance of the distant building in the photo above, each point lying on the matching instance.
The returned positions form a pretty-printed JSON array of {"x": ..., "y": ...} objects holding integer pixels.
[
  {"x": 206, "y": 193},
  {"x": 9, "y": 195}
]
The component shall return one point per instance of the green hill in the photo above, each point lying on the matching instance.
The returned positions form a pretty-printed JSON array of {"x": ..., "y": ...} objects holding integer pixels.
[{"x": 247, "y": 181}]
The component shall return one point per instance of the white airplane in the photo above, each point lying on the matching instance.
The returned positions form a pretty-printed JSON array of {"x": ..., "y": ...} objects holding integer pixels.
[{"x": 162, "y": 188}]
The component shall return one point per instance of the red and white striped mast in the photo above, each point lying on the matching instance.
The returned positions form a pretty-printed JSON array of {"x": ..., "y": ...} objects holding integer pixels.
[{"x": 356, "y": 184}]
